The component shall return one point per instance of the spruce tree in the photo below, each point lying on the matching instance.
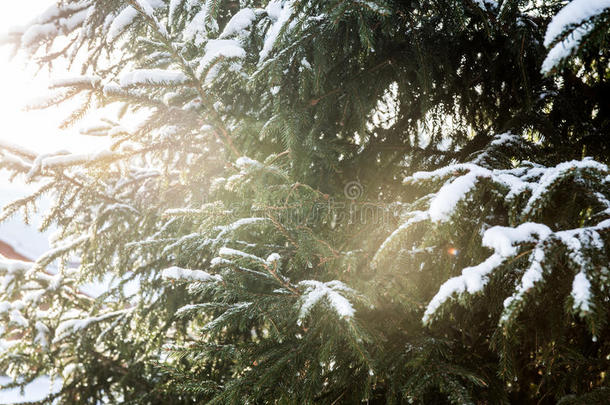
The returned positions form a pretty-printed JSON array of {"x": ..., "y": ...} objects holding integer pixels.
[{"x": 323, "y": 202}]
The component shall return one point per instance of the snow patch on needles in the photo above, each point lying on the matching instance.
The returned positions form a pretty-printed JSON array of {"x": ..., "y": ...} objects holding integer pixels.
[
  {"x": 531, "y": 276},
  {"x": 228, "y": 252},
  {"x": 329, "y": 293},
  {"x": 58, "y": 19},
  {"x": 564, "y": 48},
  {"x": 75, "y": 81},
  {"x": 472, "y": 280},
  {"x": 581, "y": 292},
  {"x": 179, "y": 274},
  {"x": 273, "y": 258},
  {"x": 71, "y": 326},
  {"x": 174, "y": 6},
  {"x": 518, "y": 180},
  {"x": 220, "y": 48},
  {"x": 197, "y": 29},
  {"x": 42, "y": 333},
  {"x": 227, "y": 229},
  {"x": 238, "y": 23},
  {"x": 574, "y": 13},
  {"x": 504, "y": 240},
  {"x": 574, "y": 16},
  {"x": 62, "y": 160},
  {"x": 448, "y": 197},
  {"x": 245, "y": 162},
  {"x": 146, "y": 8},
  {"x": 280, "y": 14},
  {"x": 535, "y": 182},
  {"x": 443, "y": 205},
  {"x": 37, "y": 32},
  {"x": 121, "y": 22},
  {"x": 152, "y": 76},
  {"x": 551, "y": 175}
]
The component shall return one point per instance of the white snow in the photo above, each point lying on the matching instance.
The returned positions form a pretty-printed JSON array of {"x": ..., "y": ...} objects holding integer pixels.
[
  {"x": 152, "y": 76},
  {"x": 63, "y": 160},
  {"x": 535, "y": 271},
  {"x": 238, "y": 23},
  {"x": 581, "y": 292},
  {"x": 75, "y": 81},
  {"x": 55, "y": 10},
  {"x": 121, "y": 22},
  {"x": 245, "y": 162},
  {"x": 15, "y": 317},
  {"x": 49, "y": 24},
  {"x": 180, "y": 274},
  {"x": 552, "y": 174},
  {"x": 442, "y": 172},
  {"x": 329, "y": 293},
  {"x": 50, "y": 13},
  {"x": 181, "y": 211},
  {"x": 146, "y": 8},
  {"x": 12, "y": 267},
  {"x": 17, "y": 149},
  {"x": 503, "y": 240},
  {"x": 444, "y": 203},
  {"x": 305, "y": 63},
  {"x": 5, "y": 307},
  {"x": 196, "y": 30},
  {"x": 472, "y": 280},
  {"x": 564, "y": 48},
  {"x": 273, "y": 258},
  {"x": 531, "y": 276},
  {"x": 225, "y": 251},
  {"x": 219, "y": 261},
  {"x": 517, "y": 180},
  {"x": 574, "y": 13},
  {"x": 71, "y": 326},
  {"x": 499, "y": 140},
  {"x": 279, "y": 12},
  {"x": 226, "y": 229},
  {"x": 42, "y": 332},
  {"x": 173, "y": 9},
  {"x": 189, "y": 308},
  {"x": 220, "y": 48},
  {"x": 74, "y": 21},
  {"x": 38, "y": 32},
  {"x": 576, "y": 16},
  {"x": 59, "y": 249}
]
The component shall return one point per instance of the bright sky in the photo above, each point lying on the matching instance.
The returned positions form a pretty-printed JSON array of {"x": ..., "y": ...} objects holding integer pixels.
[{"x": 37, "y": 130}]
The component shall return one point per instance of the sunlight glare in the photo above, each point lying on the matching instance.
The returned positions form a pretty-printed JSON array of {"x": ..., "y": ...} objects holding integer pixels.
[{"x": 20, "y": 82}]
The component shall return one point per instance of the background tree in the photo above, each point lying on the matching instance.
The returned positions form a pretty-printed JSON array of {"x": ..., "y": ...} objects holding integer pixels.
[{"x": 326, "y": 201}]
